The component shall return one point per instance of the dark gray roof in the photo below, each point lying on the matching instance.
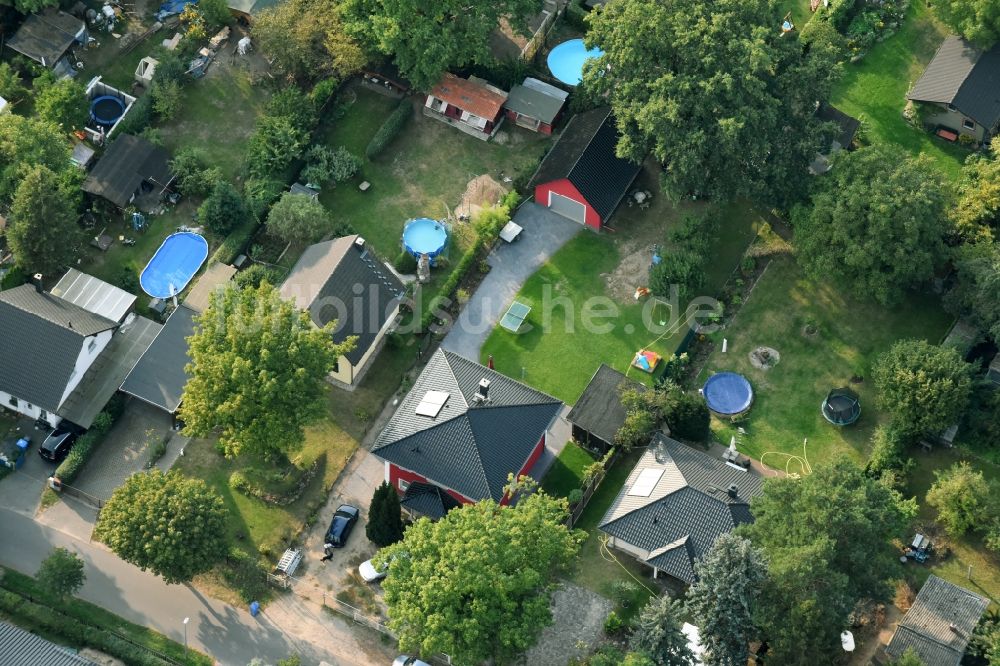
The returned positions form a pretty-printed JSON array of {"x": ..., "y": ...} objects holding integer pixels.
[
  {"x": 939, "y": 623},
  {"x": 337, "y": 280},
  {"x": 585, "y": 154},
  {"x": 964, "y": 76},
  {"x": 469, "y": 447},
  {"x": 428, "y": 500},
  {"x": 686, "y": 510},
  {"x": 22, "y": 648},
  {"x": 45, "y": 37},
  {"x": 160, "y": 376},
  {"x": 125, "y": 165},
  {"x": 41, "y": 337},
  {"x": 847, "y": 124},
  {"x": 599, "y": 410},
  {"x": 536, "y": 101}
]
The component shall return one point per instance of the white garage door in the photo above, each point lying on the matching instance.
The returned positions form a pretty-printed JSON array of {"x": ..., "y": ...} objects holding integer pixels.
[{"x": 567, "y": 207}]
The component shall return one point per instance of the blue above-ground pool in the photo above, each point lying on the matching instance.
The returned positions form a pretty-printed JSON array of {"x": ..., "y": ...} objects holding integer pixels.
[
  {"x": 425, "y": 236},
  {"x": 174, "y": 264},
  {"x": 728, "y": 393},
  {"x": 566, "y": 60}
]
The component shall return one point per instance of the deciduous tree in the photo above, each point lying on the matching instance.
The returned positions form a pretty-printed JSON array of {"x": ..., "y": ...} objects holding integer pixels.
[
  {"x": 274, "y": 145},
  {"x": 874, "y": 225},
  {"x": 977, "y": 211},
  {"x": 658, "y": 634},
  {"x": 27, "y": 142},
  {"x": 63, "y": 103},
  {"x": 974, "y": 293},
  {"x": 961, "y": 496},
  {"x": 297, "y": 217},
  {"x": 924, "y": 387},
  {"x": 167, "y": 523},
  {"x": 976, "y": 20},
  {"x": 42, "y": 230},
  {"x": 61, "y": 573},
  {"x": 476, "y": 584},
  {"x": 385, "y": 518},
  {"x": 223, "y": 209},
  {"x": 307, "y": 39},
  {"x": 258, "y": 371},
  {"x": 11, "y": 87},
  {"x": 723, "y": 601},
  {"x": 426, "y": 40},
  {"x": 714, "y": 92}
]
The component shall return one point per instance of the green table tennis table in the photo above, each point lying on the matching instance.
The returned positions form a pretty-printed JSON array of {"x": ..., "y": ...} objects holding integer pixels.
[{"x": 516, "y": 314}]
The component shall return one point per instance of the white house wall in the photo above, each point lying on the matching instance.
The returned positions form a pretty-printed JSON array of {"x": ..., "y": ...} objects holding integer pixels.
[
  {"x": 27, "y": 409},
  {"x": 85, "y": 359}
]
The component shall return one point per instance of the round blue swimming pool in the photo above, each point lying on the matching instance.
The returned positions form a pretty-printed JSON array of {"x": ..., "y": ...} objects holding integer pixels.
[
  {"x": 174, "y": 264},
  {"x": 566, "y": 60},
  {"x": 425, "y": 236},
  {"x": 728, "y": 393}
]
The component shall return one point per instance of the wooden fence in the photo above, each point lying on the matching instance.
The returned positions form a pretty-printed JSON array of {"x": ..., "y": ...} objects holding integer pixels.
[{"x": 590, "y": 488}]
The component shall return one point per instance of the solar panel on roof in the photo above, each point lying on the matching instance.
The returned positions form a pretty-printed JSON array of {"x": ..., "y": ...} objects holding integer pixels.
[
  {"x": 432, "y": 403},
  {"x": 643, "y": 486}
]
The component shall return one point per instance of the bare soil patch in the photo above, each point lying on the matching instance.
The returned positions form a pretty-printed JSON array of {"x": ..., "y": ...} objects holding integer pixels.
[{"x": 481, "y": 192}]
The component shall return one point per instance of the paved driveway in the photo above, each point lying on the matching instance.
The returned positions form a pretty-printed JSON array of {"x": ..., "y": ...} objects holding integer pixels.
[
  {"x": 21, "y": 490},
  {"x": 510, "y": 266}
]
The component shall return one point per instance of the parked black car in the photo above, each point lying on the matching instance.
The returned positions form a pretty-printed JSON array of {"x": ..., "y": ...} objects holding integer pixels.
[
  {"x": 57, "y": 444},
  {"x": 340, "y": 527}
]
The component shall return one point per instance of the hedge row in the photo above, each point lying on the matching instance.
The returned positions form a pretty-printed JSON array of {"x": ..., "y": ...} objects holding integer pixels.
[
  {"x": 390, "y": 129},
  {"x": 78, "y": 456},
  {"x": 235, "y": 242},
  {"x": 71, "y": 630}
]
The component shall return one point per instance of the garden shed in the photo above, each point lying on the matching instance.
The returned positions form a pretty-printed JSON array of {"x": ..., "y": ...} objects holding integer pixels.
[
  {"x": 130, "y": 167},
  {"x": 45, "y": 37},
  {"x": 535, "y": 105},
  {"x": 598, "y": 414}
]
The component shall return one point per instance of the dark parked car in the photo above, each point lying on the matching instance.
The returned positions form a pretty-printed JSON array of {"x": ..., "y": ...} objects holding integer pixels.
[
  {"x": 340, "y": 527},
  {"x": 57, "y": 444}
]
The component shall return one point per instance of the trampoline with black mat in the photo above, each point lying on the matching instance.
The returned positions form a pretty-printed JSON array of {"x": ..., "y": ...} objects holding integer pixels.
[{"x": 841, "y": 407}]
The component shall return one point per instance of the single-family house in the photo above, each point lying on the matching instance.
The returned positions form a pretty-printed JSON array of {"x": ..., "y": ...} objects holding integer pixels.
[
  {"x": 675, "y": 503},
  {"x": 23, "y": 648},
  {"x": 342, "y": 280},
  {"x": 460, "y": 432},
  {"x": 160, "y": 374},
  {"x": 130, "y": 168},
  {"x": 582, "y": 177},
  {"x": 63, "y": 353},
  {"x": 45, "y": 37},
  {"x": 960, "y": 90},
  {"x": 939, "y": 624},
  {"x": 472, "y": 105},
  {"x": 847, "y": 128},
  {"x": 535, "y": 105},
  {"x": 598, "y": 414}
]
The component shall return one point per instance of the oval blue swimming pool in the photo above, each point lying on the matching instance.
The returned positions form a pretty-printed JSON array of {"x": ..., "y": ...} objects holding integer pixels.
[
  {"x": 174, "y": 264},
  {"x": 728, "y": 393},
  {"x": 566, "y": 60},
  {"x": 425, "y": 236}
]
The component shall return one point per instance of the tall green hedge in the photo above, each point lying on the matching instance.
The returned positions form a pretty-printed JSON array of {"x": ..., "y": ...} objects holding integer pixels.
[
  {"x": 390, "y": 129},
  {"x": 78, "y": 456}
]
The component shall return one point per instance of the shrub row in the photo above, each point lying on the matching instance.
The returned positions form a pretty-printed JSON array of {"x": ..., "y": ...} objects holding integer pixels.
[
  {"x": 84, "y": 447},
  {"x": 390, "y": 129},
  {"x": 235, "y": 242},
  {"x": 576, "y": 16}
]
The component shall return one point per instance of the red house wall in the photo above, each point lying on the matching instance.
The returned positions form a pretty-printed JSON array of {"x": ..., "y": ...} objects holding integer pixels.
[
  {"x": 543, "y": 128},
  {"x": 567, "y": 189},
  {"x": 529, "y": 463}
]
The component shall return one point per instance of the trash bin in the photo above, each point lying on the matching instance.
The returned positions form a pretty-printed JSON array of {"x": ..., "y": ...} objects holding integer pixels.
[{"x": 254, "y": 608}]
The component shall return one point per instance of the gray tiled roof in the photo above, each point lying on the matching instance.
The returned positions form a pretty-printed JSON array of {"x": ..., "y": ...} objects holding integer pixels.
[
  {"x": 687, "y": 509},
  {"x": 41, "y": 337},
  {"x": 326, "y": 281},
  {"x": 599, "y": 410},
  {"x": 428, "y": 500},
  {"x": 23, "y": 648},
  {"x": 939, "y": 623},
  {"x": 964, "y": 76},
  {"x": 467, "y": 447},
  {"x": 535, "y": 102}
]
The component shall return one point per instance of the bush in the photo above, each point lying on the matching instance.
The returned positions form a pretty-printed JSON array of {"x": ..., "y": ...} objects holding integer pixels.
[
  {"x": 614, "y": 624},
  {"x": 296, "y": 106},
  {"x": 576, "y": 16},
  {"x": 405, "y": 263},
  {"x": 244, "y": 572},
  {"x": 575, "y": 496},
  {"x": 325, "y": 164},
  {"x": 322, "y": 92},
  {"x": 252, "y": 277},
  {"x": 78, "y": 456},
  {"x": 238, "y": 482},
  {"x": 223, "y": 209},
  {"x": 235, "y": 242},
  {"x": 260, "y": 194},
  {"x": 391, "y": 128},
  {"x": 623, "y": 592},
  {"x": 689, "y": 419},
  {"x": 138, "y": 117},
  {"x": 192, "y": 174}
]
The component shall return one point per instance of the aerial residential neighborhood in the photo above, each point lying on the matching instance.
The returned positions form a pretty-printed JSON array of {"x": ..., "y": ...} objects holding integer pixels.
[{"x": 528, "y": 332}]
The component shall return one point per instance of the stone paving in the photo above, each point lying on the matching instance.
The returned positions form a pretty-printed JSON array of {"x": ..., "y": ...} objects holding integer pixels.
[{"x": 577, "y": 627}]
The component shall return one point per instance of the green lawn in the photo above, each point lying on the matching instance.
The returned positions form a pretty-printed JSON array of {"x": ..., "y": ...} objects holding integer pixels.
[
  {"x": 560, "y": 352},
  {"x": 566, "y": 473},
  {"x": 850, "y": 334},
  {"x": 874, "y": 89}
]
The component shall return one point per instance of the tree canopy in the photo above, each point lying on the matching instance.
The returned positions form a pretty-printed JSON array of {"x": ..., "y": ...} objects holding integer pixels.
[
  {"x": 874, "y": 225},
  {"x": 63, "y": 103},
  {"x": 385, "y": 518},
  {"x": 298, "y": 217},
  {"x": 223, "y": 209},
  {"x": 924, "y": 387},
  {"x": 427, "y": 39},
  {"x": 61, "y": 573},
  {"x": 42, "y": 230},
  {"x": 828, "y": 540},
  {"x": 961, "y": 496},
  {"x": 723, "y": 600},
  {"x": 714, "y": 92},
  {"x": 308, "y": 39},
  {"x": 658, "y": 636},
  {"x": 167, "y": 523},
  {"x": 977, "y": 211},
  {"x": 476, "y": 584},
  {"x": 976, "y": 20},
  {"x": 974, "y": 293},
  {"x": 27, "y": 142},
  {"x": 258, "y": 371}
]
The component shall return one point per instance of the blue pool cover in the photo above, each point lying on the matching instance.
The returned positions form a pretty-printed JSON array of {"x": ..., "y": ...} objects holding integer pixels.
[
  {"x": 728, "y": 393},
  {"x": 566, "y": 60},
  {"x": 425, "y": 236},
  {"x": 174, "y": 264}
]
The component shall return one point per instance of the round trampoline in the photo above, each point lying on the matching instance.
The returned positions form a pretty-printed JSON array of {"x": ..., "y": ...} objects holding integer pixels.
[
  {"x": 106, "y": 110},
  {"x": 425, "y": 236},
  {"x": 566, "y": 60},
  {"x": 728, "y": 393},
  {"x": 841, "y": 407}
]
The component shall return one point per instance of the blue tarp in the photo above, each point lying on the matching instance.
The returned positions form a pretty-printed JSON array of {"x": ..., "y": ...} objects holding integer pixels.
[{"x": 172, "y": 7}]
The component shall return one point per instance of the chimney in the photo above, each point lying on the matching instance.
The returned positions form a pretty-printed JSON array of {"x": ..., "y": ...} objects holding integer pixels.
[
  {"x": 36, "y": 280},
  {"x": 954, "y": 628},
  {"x": 484, "y": 389},
  {"x": 359, "y": 244},
  {"x": 733, "y": 490}
]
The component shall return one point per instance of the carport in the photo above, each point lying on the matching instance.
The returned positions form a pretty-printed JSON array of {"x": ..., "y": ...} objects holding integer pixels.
[{"x": 159, "y": 376}]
